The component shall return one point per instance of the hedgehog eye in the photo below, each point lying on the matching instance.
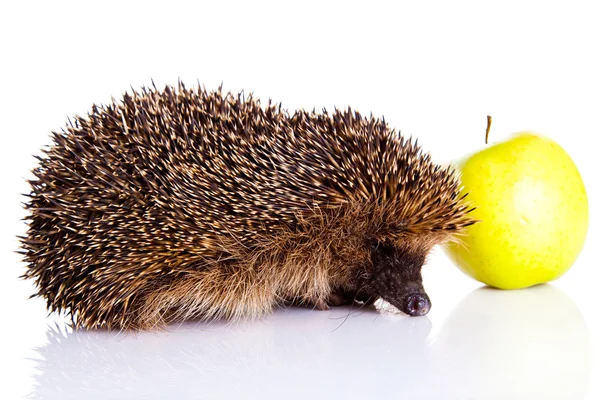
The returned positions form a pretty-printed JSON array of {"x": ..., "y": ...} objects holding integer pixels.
[{"x": 373, "y": 243}]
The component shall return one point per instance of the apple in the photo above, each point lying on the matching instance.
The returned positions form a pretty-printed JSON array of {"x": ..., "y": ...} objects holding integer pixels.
[{"x": 532, "y": 209}]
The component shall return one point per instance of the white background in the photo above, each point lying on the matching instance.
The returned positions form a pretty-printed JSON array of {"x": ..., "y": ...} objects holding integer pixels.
[{"x": 434, "y": 70}]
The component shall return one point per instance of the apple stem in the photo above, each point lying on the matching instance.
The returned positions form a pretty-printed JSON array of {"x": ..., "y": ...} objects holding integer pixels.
[{"x": 487, "y": 130}]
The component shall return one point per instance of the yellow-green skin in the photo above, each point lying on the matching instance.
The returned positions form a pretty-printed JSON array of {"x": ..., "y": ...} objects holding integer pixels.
[{"x": 533, "y": 212}]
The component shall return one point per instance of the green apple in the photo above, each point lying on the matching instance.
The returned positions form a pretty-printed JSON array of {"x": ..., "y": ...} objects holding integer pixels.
[{"x": 532, "y": 209}]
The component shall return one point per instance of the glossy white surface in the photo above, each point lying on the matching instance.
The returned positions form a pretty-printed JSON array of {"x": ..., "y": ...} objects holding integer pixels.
[
  {"x": 532, "y": 342},
  {"x": 434, "y": 70}
]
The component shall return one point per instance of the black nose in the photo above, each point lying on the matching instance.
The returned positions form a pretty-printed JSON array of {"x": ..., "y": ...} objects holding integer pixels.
[{"x": 417, "y": 305}]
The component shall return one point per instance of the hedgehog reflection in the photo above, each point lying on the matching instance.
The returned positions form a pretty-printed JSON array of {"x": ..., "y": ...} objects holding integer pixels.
[{"x": 271, "y": 358}]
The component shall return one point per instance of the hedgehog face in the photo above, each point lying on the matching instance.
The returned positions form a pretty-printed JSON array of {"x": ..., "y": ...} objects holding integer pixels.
[{"x": 395, "y": 276}]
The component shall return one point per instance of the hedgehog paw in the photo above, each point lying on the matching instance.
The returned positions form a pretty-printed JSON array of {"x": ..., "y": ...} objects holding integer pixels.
[
  {"x": 324, "y": 303},
  {"x": 321, "y": 305},
  {"x": 339, "y": 299},
  {"x": 334, "y": 299}
]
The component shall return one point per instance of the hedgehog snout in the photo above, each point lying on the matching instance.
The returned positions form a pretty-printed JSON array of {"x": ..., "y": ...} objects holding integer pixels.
[
  {"x": 411, "y": 299},
  {"x": 397, "y": 278},
  {"x": 416, "y": 304}
]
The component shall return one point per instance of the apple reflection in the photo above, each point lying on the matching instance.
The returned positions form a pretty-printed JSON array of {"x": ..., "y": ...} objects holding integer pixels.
[{"x": 530, "y": 343}]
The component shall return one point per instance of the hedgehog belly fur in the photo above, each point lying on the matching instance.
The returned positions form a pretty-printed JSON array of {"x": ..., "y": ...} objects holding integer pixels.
[
  {"x": 256, "y": 281},
  {"x": 181, "y": 203}
]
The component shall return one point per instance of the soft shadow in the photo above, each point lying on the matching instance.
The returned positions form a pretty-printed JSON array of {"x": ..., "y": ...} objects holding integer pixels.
[
  {"x": 294, "y": 353},
  {"x": 530, "y": 343}
]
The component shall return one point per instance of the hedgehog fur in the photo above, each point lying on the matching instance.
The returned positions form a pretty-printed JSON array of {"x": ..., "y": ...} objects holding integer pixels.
[{"x": 181, "y": 204}]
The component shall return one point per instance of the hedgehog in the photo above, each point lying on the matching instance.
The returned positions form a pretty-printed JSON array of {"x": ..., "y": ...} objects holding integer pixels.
[{"x": 189, "y": 204}]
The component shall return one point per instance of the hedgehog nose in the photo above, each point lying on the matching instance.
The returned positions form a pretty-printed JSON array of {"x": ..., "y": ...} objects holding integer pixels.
[{"x": 417, "y": 305}]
